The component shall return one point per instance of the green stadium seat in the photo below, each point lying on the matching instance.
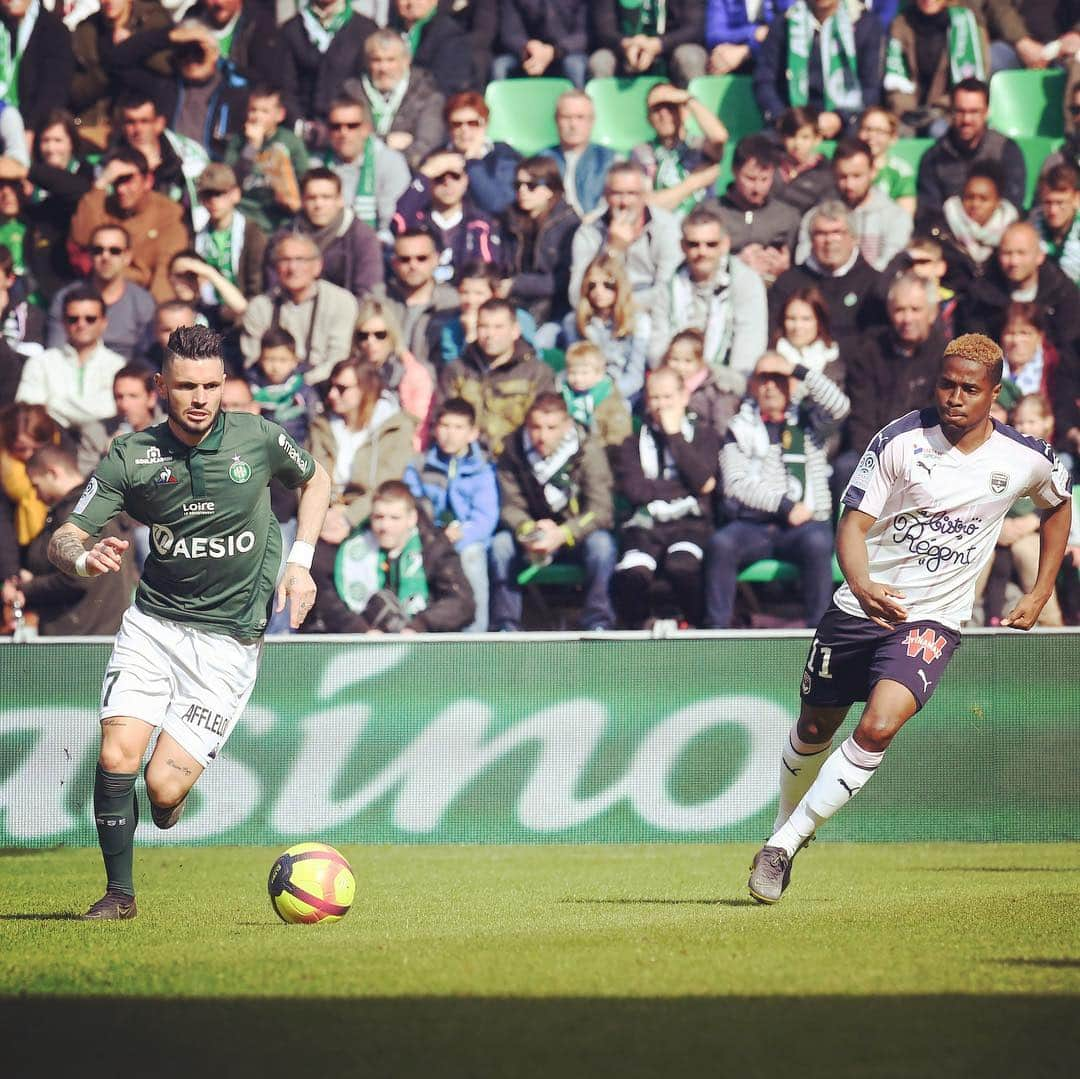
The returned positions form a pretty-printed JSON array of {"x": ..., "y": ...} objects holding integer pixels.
[
  {"x": 911, "y": 151},
  {"x": 1036, "y": 149},
  {"x": 523, "y": 112},
  {"x": 767, "y": 570},
  {"x": 621, "y": 117},
  {"x": 555, "y": 358},
  {"x": 731, "y": 97},
  {"x": 1028, "y": 102}
]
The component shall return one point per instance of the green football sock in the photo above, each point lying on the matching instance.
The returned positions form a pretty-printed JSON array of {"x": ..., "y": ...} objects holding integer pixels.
[{"x": 116, "y": 812}]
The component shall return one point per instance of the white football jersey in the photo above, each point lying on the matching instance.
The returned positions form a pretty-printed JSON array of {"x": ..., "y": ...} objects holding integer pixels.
[{"x": 939, "y": 511}]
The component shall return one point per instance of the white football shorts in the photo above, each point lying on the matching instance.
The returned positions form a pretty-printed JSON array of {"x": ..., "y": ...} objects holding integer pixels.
[{"x": 192, "y": 684}]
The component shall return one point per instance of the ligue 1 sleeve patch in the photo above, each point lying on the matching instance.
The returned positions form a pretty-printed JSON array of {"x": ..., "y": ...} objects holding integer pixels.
[
  {"x": 87, "y": 496},
  {"x": 861, "y": 477},
  {"x": 1060, "y": 480}
]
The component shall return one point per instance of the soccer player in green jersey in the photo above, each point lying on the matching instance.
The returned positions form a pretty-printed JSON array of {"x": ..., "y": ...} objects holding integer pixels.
[{"x": 186, "y": 655}]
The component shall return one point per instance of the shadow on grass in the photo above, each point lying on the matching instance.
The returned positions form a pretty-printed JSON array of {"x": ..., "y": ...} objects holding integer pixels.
[
  {"x": 32, "y": 916},
  {"x": 1052, "y": 964},
  {"x": 662, "y": 902},
  {"x": 445, "y": 1037},
  {"x": 992, "y": 869},
  {"x": 26, "y": 852}
]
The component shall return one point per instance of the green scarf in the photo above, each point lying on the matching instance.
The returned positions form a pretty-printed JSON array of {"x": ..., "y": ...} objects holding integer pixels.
[
  {"x": 648, "y": 17},
  {"x": 670, "y": 172},
  {"x": 363, "y": 203},
  {"x": 322, "y": 34},
  {"x": 793, "y": 454},
  {"x": 418, "y": 29},
  {"x": 583, "y": 403},
  {"x": 12, "y": 235},
  {"x": 218, "y": 253},
  {"x": 1067, "y": 253},
  {"x": 285, "y": 401},
  {"x": 11, "y": 58},
  {"x": 362, "y": 568},
  {"x": 964, "y": 46},
  {"x": 383, "y": 109},
  {"x": 837, "y": 46}
]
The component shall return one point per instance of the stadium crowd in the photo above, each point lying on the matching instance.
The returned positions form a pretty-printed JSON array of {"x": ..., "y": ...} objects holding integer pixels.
[{"x": 638, "y": 369}]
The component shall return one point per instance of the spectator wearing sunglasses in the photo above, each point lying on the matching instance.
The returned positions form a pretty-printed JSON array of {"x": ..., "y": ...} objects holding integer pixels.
[
  {"x": 129, "y": 307},
  {"x": 491, "y": 165},
  {"x": 75, "y": 381},
  {"x": 373, "y": 176},
  {"x": 438, "y": 201},
  {"x": 124, "y": 195},
  {"x": 539, "y": 229},
  {"x": 714, "y": 293}
]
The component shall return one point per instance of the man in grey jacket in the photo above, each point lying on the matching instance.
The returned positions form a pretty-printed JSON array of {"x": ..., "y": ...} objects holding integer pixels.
[
  {"x": 715, "y": 293},
  {"x": 647, "y": 237},
  {"x": 776, "y": 487}
]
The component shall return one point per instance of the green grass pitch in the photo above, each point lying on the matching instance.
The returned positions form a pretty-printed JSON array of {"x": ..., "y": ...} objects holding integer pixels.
[{"x": 881, "y": 960}]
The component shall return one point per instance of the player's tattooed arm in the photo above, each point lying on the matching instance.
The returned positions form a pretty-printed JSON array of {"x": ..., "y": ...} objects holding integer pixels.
[{"x": 69, "y": 553}]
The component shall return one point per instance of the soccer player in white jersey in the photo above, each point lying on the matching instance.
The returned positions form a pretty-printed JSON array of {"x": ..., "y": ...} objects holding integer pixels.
[
  {"x": 922, "y": 514},
  {"x": 185, "y": 658}
]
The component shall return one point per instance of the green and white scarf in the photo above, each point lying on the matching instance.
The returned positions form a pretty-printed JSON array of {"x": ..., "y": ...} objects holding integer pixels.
[
  {"x": 11, "y": 59},
  {"x": 384, "y": 109},
  {"x": 414, "y": 34},
  {"x": 193, "y": 159},
  {"x": 837, "y": 46},
  {"x": 964, "y": 46},
  {"x": 670, "y": 172},
  {"x": 13, "y": 237},
  {"x": 719, "y": 325},
  {"x": 584, "y": 403},
  {"x": 1067, "y": 253},
  {"x": 322, "y": 34},
  {"x": 362, "y": 568},
  {"x": 363, "y": 201},
  {"x": 648, "y": 17},
  {"x": 553, "y": 472}
]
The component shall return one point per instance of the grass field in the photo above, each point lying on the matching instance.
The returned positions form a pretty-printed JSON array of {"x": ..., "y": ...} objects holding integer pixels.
[{"x": 882, "y": 960}]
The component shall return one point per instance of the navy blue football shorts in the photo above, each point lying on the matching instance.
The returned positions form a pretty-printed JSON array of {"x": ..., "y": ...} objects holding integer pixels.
[{"x": 849, "y": 656}]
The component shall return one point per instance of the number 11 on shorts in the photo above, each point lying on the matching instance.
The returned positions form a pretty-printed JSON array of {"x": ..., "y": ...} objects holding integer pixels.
[{"x": 826, "y": 659}]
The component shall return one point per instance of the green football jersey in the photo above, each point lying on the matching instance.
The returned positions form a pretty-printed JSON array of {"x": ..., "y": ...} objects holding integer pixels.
[{"x": 215, "y": 545}]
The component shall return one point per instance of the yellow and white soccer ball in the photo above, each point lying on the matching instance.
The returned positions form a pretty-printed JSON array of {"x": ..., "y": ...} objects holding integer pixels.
[{"x": 311, "y": 882}]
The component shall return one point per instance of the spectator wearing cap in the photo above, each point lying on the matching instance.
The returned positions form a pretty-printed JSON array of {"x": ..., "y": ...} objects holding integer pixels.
[
  {"x": 129, "y": 307},
  {"x": 75, "y": 381},
  {"x": 231, "y": 242},
  {"x": 124, "y": 195},
  {"x": 373, "y": 177}
]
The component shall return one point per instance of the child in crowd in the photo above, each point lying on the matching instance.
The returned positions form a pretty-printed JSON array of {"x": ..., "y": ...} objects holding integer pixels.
[
  {"x": 477, "y": 282},
  {"x": 278, "y": 387},
  {"x": 268, "y": 159},
  {"x": 1018, "y": 543},
  {"x": 878, "y": 128},
  {"x": 455, "y": 483},
  {"x": 592, "y": 397},
  {"x": 979, "y": 216},
  {"x": 926, "y": 256},
  {"x": 803, "y": 175},
  {"x": 232, "y": 243},
  {"x": 607, "y": 316},
  {"x": 715, "y": 393}
]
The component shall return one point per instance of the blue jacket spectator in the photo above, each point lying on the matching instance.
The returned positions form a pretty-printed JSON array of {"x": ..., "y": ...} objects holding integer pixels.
[
  {"x": 727, "y": 23},
  {"x": 583, "y": 165},
  {"x": 782, "y": 78},
  {"x": 589, "y": 174}
]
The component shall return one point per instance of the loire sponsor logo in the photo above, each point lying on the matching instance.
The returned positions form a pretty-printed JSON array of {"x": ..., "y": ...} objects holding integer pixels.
[{"x": 198, "y": 509}]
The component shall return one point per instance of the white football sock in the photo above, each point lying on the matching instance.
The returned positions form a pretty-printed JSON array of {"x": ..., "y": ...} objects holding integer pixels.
[
  {"x": 800, "y": 763},
  {"x": 845, "y": 772}
]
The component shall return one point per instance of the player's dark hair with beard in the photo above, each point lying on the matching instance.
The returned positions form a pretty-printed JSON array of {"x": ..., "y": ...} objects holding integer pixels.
[{"x": 193, "y": 343}]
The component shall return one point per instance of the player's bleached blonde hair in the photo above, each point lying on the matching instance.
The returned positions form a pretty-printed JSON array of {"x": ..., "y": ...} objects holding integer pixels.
[{"x": 980, "y": 349}]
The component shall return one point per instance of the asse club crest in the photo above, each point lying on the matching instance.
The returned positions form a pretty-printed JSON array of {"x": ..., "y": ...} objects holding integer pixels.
[{"x": 239, "y": 471}]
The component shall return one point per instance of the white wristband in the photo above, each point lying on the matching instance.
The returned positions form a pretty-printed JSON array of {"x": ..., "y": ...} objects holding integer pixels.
[
  {"x": 80, "y": 564},
  {"x": 301, "y": 554}
]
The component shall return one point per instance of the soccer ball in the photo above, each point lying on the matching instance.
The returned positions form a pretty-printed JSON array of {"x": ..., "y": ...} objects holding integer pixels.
[{"x": 311, "y": 882}]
